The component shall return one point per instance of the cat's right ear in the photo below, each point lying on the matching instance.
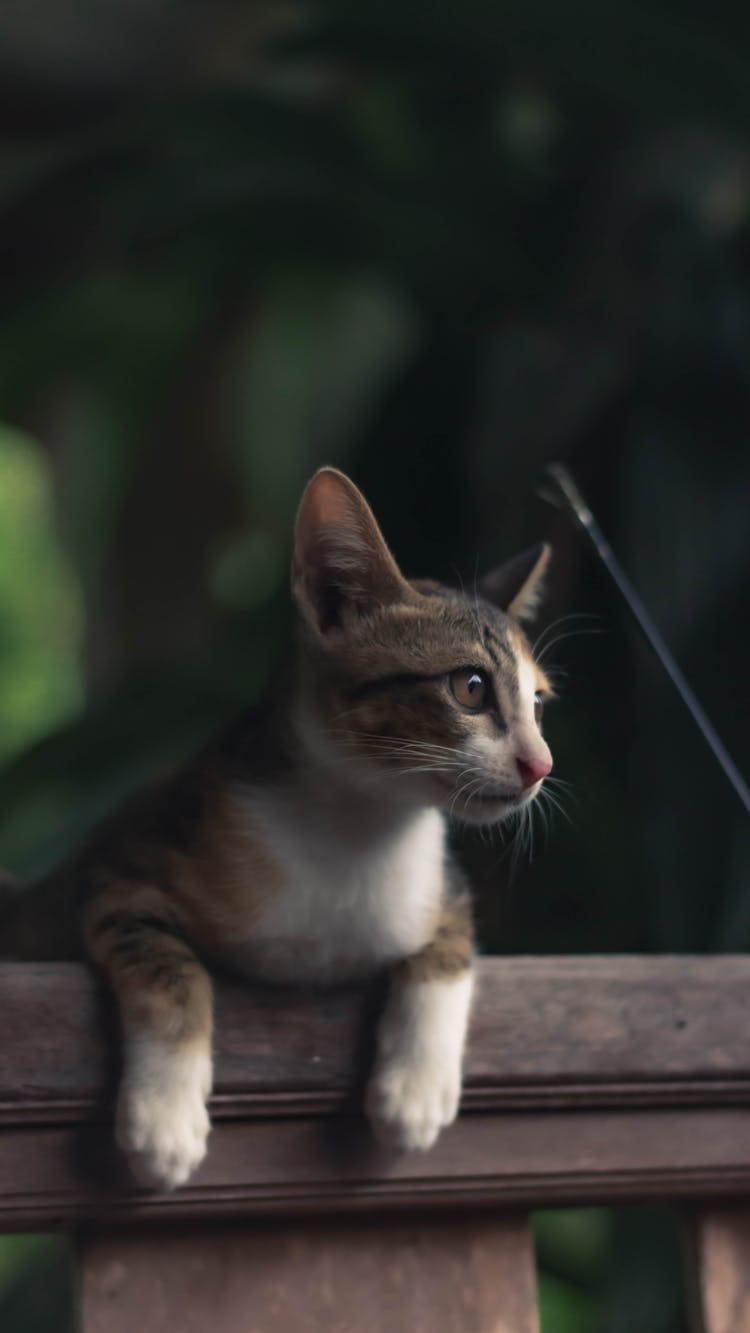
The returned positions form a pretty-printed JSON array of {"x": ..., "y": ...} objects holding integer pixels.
[
  {"x": 340, "y": 556},
  {"x": 517, "y": 586}
]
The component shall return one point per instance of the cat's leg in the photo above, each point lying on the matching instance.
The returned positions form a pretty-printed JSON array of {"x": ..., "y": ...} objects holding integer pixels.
[
  {"x": 415, "y": 1087},
  {"x": 164, "y": 996}
]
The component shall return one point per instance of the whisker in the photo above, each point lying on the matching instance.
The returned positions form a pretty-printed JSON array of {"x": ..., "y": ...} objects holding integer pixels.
[
  {"x": 460, "y": 791},
  {"x": 562, "y": 620},
  {"x": 561, "y": 787},
  {"x": 520, "y": 842},
  {"x": 563, "y": 638},
  {"x": 397, "y": 742},
  {"x": 556, "y": 805},
  {"x": 544, "y": 821}
]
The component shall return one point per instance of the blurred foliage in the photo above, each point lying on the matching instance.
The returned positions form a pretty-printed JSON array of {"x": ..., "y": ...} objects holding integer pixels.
[
  {"x": 36, "y": 1287},
  {"x": 39, "y": 604},
  {"x": 440, "y": 245}
]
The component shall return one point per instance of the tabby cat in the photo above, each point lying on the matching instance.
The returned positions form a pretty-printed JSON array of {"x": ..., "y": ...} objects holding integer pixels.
[{"x": 307, "y": 844}]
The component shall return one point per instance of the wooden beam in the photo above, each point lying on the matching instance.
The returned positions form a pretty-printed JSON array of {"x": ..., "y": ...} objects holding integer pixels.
[
  {"x": 718, "y": 1269},
  {"x": 425, "y": 1275},
  {"x": 55, "y": 1176},
  {"x": 546, "y": 1032},
  {"x": 587, "y": 1080}
]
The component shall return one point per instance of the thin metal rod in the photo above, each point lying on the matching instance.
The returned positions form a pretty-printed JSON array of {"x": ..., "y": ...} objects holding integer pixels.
[{"x": 560, "y": 486}]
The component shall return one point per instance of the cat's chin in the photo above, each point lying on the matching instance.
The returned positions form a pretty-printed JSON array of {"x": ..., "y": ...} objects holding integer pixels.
[
  {"x": 485, "y": 812},
  {"x": 486, "y": 808}
]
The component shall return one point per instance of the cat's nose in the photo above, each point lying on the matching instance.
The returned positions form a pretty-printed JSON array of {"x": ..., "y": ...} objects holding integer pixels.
[{"x": 531, "y": 769}]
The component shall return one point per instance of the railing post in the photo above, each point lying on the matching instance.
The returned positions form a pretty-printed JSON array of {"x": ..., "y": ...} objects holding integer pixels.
[
  {"x": 470, "y": 1274},
  {"x": 717, "y": 1257}
]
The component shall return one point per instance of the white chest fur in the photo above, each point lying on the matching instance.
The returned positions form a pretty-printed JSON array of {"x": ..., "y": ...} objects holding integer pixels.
[{"x": 352, "y": 899}]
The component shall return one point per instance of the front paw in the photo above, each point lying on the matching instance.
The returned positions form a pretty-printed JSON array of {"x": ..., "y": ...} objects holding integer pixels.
[
  {"x": 408, "y": 1105},
  {"x": 162, "y": 1123}
]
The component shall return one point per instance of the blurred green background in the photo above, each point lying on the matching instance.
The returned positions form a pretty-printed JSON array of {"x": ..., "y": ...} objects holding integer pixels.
[{"x": 438, "y": 245}]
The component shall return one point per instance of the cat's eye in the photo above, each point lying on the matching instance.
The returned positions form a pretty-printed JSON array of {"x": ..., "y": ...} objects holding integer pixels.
[
  {"x": 538, "y": 706},
  {"x": 470, "y": 688}
]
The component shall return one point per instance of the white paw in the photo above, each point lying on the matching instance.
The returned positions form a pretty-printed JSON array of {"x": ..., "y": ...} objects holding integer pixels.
[
  {"x": 162, "y": 1123},
  {"x": 408, "y": 1105}
]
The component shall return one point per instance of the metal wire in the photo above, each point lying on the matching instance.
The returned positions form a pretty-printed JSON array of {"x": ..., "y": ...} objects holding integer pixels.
[{"x": 561, "y": 490}]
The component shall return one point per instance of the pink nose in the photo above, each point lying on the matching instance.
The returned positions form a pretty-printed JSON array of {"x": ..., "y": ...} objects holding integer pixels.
[{"x": 530, "y": 770}]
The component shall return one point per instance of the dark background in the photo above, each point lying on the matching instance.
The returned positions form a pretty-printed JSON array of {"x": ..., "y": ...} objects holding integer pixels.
[{"x": 438, "y": 246}]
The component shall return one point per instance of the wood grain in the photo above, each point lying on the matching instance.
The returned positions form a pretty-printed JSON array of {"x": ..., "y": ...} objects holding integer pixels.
[
  {"x": 425, "y": 1275},
  {"x": 54, "y": 1176},
  {"x": 587, "y": 1080},
  {"x": 545, "y": 1032},
  {"x": 718, "y": 1264}
]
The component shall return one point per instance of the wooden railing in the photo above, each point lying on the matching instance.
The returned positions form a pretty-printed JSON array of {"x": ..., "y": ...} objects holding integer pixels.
[{"x": 587, "y": 1080}]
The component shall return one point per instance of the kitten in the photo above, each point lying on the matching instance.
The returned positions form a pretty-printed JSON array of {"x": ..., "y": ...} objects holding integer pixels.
[{"x": 308, "y": 843}]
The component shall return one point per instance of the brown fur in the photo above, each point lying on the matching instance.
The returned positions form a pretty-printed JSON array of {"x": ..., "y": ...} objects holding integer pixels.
[
  {"x": 451, "y": 949},
  {"x": 139, "y": 943}
]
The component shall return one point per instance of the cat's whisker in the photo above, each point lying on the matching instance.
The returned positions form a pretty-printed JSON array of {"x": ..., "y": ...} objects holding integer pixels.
[
  {"x": 555, "y": 624},
  {"x": 421, "y": 768},
  {"x": 528, "y": 833},
  {"x": 397, "y": 742},
  {"x": 563, "y": 638},
  {"x": 429, "y": 761},
  {"x": 473, "y": 788},
  {"x": 459, "y": 792},
  {"x": 388, "y": 750},
  {"x": 520, "y": 842},
  {"x": 560, "y": 788},
  {"x": 448, "y": 765},
  {"x": 543, "y": 818},
  {"x": 556, "y": 805}
]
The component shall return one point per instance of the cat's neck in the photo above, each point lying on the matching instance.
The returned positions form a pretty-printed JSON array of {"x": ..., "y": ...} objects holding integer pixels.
[{"x": 342, "y": 789}]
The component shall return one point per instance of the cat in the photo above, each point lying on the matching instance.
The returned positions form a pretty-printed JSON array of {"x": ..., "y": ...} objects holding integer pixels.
[{"x": 308, "y": 843}]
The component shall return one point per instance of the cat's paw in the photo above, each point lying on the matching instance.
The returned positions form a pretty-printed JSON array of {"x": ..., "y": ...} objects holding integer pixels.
[
  {"x": 409, "y": 1104},
  {"x": 162, "y": 1123}
]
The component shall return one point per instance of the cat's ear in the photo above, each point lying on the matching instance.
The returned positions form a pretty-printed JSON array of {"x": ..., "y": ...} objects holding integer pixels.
[
  {"x": 340, "y": 555},
  {"x": 517, "y": 586}
]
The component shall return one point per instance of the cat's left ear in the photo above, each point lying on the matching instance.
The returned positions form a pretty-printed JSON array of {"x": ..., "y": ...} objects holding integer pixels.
[
  {"x": 517, "y": 586},
  {"x": 341, "y": 559}
]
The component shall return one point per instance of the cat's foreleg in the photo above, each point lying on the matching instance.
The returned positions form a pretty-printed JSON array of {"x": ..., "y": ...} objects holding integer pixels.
[
  {"x": 415, "y": 1086},
  {"x": 165, "y": 1003}
]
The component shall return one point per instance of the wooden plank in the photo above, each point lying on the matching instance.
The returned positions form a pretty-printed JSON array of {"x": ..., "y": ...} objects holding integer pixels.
[
  {"x": 53, "y": 1176},
  {"x": 557, "y": 1032},
  {"x": 718, "y": 1263},
  {"x": 471, "y": 1275},
  {"x": 587, "y": 1080}
]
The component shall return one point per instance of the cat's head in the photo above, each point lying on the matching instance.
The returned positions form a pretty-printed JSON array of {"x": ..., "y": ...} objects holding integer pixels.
[{"x": 414, "y": 690}]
